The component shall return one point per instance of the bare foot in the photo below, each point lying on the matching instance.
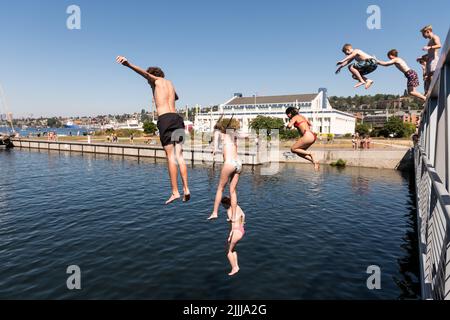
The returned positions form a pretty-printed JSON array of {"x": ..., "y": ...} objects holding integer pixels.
[
  {"x": 359, "y": 84},
  {"x": 369, "y": 83},
  {"x": 316, "y": 166},
  {"x": 213, "y": 216},
  {"x": 234, "y": 271},
  {"x": 186, "y": 197},
  {"x": 173, "y": 197}
]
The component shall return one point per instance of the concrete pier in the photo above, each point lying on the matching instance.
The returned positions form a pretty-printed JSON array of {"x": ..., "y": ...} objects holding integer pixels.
[
  {"x": 130, "y": 150},
  {"x": 397, "y": 159}
]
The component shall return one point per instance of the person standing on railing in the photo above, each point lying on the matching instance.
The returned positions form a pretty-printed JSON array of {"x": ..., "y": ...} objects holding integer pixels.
[{"x": 433, "y": 46}]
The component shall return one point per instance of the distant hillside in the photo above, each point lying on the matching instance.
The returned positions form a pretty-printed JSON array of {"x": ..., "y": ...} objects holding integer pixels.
[{"x": 375, "y": 102}]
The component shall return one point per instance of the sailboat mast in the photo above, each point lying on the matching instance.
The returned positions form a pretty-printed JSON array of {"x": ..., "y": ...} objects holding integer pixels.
[{"x": 5, "y": 107}]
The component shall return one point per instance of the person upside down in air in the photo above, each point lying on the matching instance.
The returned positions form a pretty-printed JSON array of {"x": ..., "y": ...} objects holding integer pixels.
[{"x": 237, "y": 232}]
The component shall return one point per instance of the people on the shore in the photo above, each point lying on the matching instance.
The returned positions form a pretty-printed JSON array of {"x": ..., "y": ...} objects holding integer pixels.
[
  {"x": 364, "y": 65},
  {"x": 132, "y": 138},
  {"x": 368, "y": 141},
  {"x": 236, "y": 234},
  {"x": 170, "y": 125},
  {"x": 307, "y": 139},
  {"x": 226, "y": 132},
  {"x": 432, "y": 48},
  {"x": 410, "y": 74},
  {"x": 354, "y": 143}
]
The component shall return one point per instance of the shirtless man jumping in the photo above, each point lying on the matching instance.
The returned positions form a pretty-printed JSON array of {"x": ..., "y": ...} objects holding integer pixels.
[{"x": 170, "y": 125}]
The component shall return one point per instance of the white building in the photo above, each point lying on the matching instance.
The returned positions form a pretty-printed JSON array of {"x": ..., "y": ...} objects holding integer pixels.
[{"x": 315, "y": 107}]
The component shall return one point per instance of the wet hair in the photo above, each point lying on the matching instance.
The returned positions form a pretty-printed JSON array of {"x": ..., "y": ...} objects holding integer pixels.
[
  {"x": 156, "y": 71},
  {"x": 346, "y": 46},
  {"x": 292, "y": 111},
  {"x": 393, "y": 53},
  {"x": 226, "y": 201},
  {"x": 224, "y": 124}
]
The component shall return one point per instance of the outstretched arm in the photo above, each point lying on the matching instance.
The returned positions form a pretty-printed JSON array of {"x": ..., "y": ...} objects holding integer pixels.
[
  {"x": 345, "y": 62},
  {"x": 123, "y": 61},
  {"x": 386, "y": 63},
  {"x": 348, "y": 58}
]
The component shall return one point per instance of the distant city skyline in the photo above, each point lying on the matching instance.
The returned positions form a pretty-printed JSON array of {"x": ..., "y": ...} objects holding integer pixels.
[{"x": 209, "y": 49}]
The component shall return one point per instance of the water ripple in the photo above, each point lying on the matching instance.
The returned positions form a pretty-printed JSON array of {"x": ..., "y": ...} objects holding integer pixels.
[{"x": 308, "y": 235}]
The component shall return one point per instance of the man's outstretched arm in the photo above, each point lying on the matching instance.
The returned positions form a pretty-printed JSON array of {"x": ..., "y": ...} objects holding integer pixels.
[{"x": 123, "y": 61}]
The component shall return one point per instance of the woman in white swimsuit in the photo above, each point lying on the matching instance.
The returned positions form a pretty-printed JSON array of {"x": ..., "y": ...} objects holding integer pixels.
[{"x": 225, "y": 130}]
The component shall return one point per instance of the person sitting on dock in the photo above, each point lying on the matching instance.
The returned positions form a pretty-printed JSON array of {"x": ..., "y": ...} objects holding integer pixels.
[
  {"x": 225, "y": 129},
  {"x": 410, "y": 74},
  {"x": 307, "y": 139},
  {"x": 237, "y": 232},
  {"x": 170, "y": 125},
  {"x": 364, "y": 65}
]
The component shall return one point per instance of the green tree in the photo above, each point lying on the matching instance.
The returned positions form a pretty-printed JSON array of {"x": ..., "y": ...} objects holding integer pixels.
[
  {"x": 266, "y": 123},
  {"x": 362, "y": 129},
  {"x": 396, "y": 127},
  {"x": 149, "y": 127}
]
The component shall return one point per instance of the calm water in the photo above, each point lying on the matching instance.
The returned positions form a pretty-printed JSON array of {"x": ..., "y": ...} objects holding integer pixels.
[
  {"x": 309, "y": 236},
  {"x": 35, "y": 131}
]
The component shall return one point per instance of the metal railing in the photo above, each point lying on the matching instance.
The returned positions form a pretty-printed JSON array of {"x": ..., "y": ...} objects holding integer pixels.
[{"x": 432, "y": 169}]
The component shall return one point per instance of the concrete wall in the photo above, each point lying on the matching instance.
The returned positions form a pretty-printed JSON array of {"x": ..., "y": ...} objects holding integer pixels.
[
  {"x": 382, "y": 159},
  {"x": 144, "y": 151}
]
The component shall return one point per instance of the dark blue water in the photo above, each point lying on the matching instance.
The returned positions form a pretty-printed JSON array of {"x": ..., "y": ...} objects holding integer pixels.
[
  {"x": 309, "y": 236},
  {"x": 35, "y": 131}
]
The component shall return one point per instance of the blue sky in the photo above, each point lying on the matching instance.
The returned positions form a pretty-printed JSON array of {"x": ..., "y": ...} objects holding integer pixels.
[{"x": 209, "y": 49}]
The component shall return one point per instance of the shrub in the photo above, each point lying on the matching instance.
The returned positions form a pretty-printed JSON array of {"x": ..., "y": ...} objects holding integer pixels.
[
  {"x": 339, "y": 163},
  {"x": 347, "y": 135},
  {"x": 149, "y": 127}
]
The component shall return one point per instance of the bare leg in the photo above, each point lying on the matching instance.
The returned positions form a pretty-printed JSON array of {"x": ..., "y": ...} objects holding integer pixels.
[
  {"x": 183, "y": 172},
  {"x": 300, "y": 148},
  {"x": 357, "y": 76},
  {"x": 232, "y": 254},
  {"x": 233, "y": 264},
  {"x": 412, "y": 91},
  {"x": 173, "y": 172},
  {"x": 227, "y": 170},
  {"x": 233, "y": 194}
]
